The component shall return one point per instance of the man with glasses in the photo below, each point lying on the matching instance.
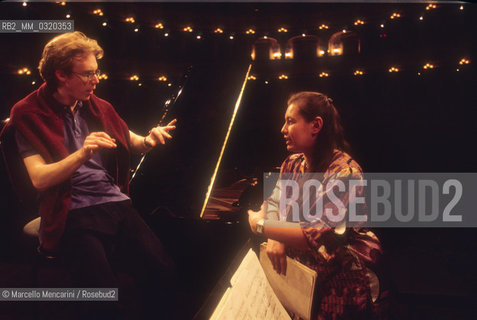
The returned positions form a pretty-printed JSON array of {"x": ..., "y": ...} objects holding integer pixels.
[{"x": 76, "y": 150}]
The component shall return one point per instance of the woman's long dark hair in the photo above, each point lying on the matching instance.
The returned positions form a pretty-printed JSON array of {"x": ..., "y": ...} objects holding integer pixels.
[{"x": 311, "y": 105}]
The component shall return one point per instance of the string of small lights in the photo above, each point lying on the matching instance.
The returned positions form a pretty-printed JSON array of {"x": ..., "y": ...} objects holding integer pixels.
[
  {"x": 161, "y": 25},
  {"x": 357, "y": 72},
  {"x": 202, "y": 32}
]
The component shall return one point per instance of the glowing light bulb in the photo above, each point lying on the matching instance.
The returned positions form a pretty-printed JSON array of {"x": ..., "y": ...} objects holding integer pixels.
[
  {"x": 24, "y": 71},
  {"x": 395, "y": 15}
]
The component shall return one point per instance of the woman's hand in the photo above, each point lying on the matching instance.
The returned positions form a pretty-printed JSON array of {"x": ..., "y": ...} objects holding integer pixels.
[
  {"x": 275, "y": 249},
  {"x": 276, "y": 253},
  {"x": 254, "y": 217}
]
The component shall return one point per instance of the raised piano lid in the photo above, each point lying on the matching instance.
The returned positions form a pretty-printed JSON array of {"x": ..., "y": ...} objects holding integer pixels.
[{"x": 177, "y": 176}]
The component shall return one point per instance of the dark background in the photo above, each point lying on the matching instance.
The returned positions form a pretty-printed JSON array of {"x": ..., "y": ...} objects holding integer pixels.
[{"x": 415, "y": 120}]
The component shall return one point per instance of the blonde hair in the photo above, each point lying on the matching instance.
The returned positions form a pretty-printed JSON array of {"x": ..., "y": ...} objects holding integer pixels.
[{"x": 59, "y": 53}]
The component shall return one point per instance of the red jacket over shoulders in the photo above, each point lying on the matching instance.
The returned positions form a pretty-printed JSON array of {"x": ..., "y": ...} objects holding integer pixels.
[{"x": 39, "y": 119}]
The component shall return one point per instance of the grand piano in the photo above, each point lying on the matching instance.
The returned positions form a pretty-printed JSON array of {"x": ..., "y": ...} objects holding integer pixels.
[
  {"x": 396, "y": 122},
  {"x": 195, "y": 190}
]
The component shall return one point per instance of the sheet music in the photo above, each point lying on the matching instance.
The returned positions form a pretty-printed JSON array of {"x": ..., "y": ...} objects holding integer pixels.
[
  {"x": 295, "y": 289},
  {"x": 250, "y": 296}
]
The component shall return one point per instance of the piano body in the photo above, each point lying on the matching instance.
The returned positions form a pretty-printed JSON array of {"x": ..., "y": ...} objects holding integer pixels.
[
  {"x": 202, "y": 232},
  {"x": 395, "y": 122}
]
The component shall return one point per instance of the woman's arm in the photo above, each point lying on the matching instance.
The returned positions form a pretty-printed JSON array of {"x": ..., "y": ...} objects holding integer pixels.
[
  {"x": 287, "y": 232},
  {"x": 280, "y": 234}
]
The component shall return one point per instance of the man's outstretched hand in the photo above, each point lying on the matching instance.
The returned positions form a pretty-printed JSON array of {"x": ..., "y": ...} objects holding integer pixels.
[{"x": 158, "y": 135}]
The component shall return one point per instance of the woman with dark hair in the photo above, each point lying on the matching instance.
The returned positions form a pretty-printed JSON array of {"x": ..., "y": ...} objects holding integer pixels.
[{"x": 346, "y": 258}]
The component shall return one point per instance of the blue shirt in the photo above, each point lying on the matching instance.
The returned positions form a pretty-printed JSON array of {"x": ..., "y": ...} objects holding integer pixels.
[{"x": 91, "y": 183}]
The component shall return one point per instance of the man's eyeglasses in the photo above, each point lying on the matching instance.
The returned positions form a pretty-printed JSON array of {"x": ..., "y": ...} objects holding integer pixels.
[{"x": 89, "y": 75}]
